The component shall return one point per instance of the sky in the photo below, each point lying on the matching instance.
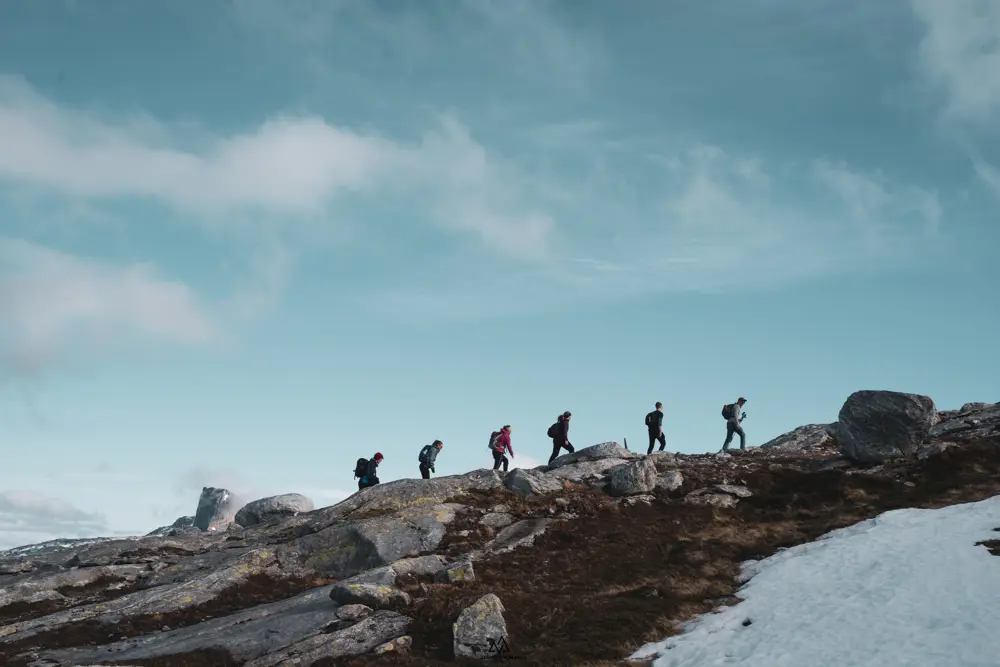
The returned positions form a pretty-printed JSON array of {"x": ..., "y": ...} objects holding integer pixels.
[{"x": 245, "y": 242}]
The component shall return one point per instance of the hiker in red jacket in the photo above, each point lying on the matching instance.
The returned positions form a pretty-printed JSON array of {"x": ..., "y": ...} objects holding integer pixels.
[{"x": 500, "y": 443}]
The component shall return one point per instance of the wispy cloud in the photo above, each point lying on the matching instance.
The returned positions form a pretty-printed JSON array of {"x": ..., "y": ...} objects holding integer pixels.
[
  {"x": 722, "y": 222},
  {"x": 959, "y": 54},
  {"x": 27, "y": 517},
  {"x": 527, "y": 39},
  {"x": 290, "y": 168},
  {"x": 52, "y": 303}
]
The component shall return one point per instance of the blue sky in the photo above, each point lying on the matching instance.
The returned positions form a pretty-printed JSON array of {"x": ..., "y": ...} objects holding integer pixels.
[{"x": 243, "y": 243}]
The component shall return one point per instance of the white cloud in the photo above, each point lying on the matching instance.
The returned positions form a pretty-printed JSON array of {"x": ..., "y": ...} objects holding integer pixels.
[
  {"x": 960, "y": 53},
  {"x": 27, "y": 517},
  {"x": 723, "y": 222},
  {"x": 989, "y": 175},
  {"x": 290, "y": 168},
  {"x": 52, "y": 302}
]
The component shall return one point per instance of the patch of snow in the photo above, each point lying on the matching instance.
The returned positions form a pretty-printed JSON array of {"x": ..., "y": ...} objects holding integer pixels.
[{"x": 907, "y": 588}]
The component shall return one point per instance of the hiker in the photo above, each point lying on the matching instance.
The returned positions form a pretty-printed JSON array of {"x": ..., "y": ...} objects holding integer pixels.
[
  {"x": 654, "y": 422},
  {"x": 428, "y": 455},
  {"x": 559, "y": 432},
  {"x": 500, "y": 443},
  {"x": 731, "y": 413},
  {"x": 367, "y": 471}
]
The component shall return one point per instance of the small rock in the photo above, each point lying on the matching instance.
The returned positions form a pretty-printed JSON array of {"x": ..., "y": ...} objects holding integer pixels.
[
  {"x": 644, "y": 498},
  {"x": 480, "y": 629},
  {"x": 562, "y": 502},
  {"x": 460, "y": 572},
  {"x": 497, "y": 519},
  {"x": 397, "y": 645},
  {"x": 713, "y": 499},
  {"x": 375, "y": 596},
  {"x": 354, "y": 612},
  {"x": 733, "y": 490},
  {"x": 633, "y": 478},
  {"x": 670, "y": 481},
  {"x": 909, "y": 484}
]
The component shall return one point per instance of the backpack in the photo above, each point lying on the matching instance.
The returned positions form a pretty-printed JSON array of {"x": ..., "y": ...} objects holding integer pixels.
[
  {"x": 553, "y": 430},
  {"x": 423, "y": 454},
  {"x": 728, "y": 410},
  {"x": 493, "y": 439},
  {"x": 361, "y": 468},
  {"x": 649, "y": 419}
]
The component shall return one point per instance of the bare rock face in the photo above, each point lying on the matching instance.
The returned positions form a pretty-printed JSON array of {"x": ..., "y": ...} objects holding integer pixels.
[
  {"x": 808, "y": 438},
  {"x": 670, "y": 480},
  {"x": 875, "y": 426},
  {"x": 275, "y": 507},
  {"x": 215, "y": 509},
  {"x": 528, "y": 483},
  {"x": 374, "y": 596},
  {"x": 604, "y": 450},
  {"x": 633, "y": 478},
  {"x": 480, "y": 629}
]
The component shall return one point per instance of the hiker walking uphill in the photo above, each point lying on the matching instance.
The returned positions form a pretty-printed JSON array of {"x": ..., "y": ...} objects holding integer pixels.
[
  {"x": 366, "y": 470},
  {"x": 731, "y": 413},
  {"x": 428, "y": 455},
  {"x": 654, "y": 422},
  {"x": 499, "y": 444},
  {"x": 559, "y": 432}
]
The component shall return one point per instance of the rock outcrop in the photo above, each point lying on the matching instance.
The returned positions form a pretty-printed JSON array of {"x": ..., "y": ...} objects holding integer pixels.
[
  {"x": 215, "y": 509},
  {"x": 275, "y": 507},
  {"x": 633, "y": 478},
  {"x": 876, "y": 426},
  {"x": 809, "y": 438}
]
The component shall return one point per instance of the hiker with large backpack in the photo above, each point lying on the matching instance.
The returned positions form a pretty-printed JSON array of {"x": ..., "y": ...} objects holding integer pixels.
[
  {"x": 366, "y": 471},
  {"x": 731, "y": 413},
  {"x": 559, "y": 432},
  {"x": 427, "y": 457},
  {"x": 654, "y": 423},
  {"x": 500, "y": 444}
]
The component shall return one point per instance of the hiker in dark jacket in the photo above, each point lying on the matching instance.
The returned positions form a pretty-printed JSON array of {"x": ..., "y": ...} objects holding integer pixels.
[
  {"x": 500, "y": 443},
  {"x": 428, "y": 455},
  {"x": 654, "y": 422},
  {"x": 370, "y": 478},
  {"x": 733, "y": 422},
  {"x": 560, "y": 435}
]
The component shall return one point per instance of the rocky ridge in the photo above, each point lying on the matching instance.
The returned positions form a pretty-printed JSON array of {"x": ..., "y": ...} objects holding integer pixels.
[{"x": 429, "y": 571}]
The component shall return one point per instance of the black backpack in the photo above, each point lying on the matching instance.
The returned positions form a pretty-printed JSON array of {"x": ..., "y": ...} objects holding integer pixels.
[
  {"x": 361, "y": 468},
  {"x": 423, "y": 454},
  {"x": 553, "y": 430},
  {"x": 493, "y": 437},
  {"x": 649, "y": 419},
  {"x": 728, "y": 410}
]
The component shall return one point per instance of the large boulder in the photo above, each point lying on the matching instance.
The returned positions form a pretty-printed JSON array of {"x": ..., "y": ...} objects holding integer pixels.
[
  {"x": 591, "y": 473},
  {"x": 604, "y": 450},
  {"x": 633, "y": 478},
  {"x": 275, "y": 507},
  {"x": 875, "y": 426},
  {"x": 528, "y": 483},
  {"x": 347, "y": 548},
  {"x": 215, "y": 509},
  {"x": 480, "y": 631}
]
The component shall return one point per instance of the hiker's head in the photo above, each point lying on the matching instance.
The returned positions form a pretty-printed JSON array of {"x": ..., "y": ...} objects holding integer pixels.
[
  {"x": 741, "y": 401},
  {"x": 659, "y": 405},
  {"x": 438, "y": 444},
  {"x": 567, "y": 414},
  {"x": 378, "y": 458},
  {"x": 506, "y": 428}
]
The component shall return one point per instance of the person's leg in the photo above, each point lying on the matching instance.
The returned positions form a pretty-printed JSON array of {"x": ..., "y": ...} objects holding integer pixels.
[
  {"x": 425, "y": 472},
  {"x": 506, "y": 462},
  {"x": 663, "y": 441},
  {"x": 555, "y": 451},
  {"x": 569, "y": 447},
  {"x": 729, "y": 436},
  {"x": 496, "y": 459},
  {"x": 743, "y": 438},
  {"x": 652, "y": 441}
]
